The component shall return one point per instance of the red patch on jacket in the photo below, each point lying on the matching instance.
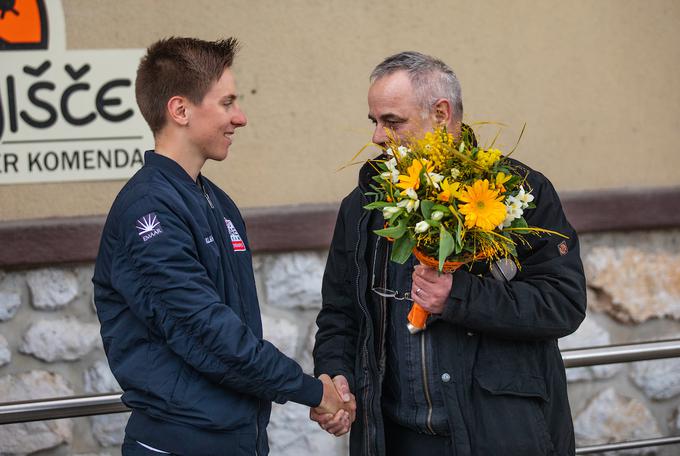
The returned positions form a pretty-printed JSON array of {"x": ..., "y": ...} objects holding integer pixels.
[{"x": 562, "y": 247}]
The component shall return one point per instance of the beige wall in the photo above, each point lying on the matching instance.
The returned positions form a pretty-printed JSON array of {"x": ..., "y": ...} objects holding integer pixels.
[{"x": 595, "y": 81}]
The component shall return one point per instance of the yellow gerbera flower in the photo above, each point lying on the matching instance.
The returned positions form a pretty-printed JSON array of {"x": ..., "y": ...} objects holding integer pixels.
[
  {"x": 412, "y": 179},
  {"x": 483, "y": 207}
]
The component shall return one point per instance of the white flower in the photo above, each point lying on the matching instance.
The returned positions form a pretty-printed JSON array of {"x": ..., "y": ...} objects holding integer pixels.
[
  {"x": 435, "y": 179},
  {"x": 422, "y": 226},
  {"x": 455, "y": 172},
  {"x": 524, "y": 197},
  {"x": 393, "y": 173},
  {"x": 507, "y": 222},
  {"x": 403, "y": 151},
  {"x": 411, "y": 203},
  {"x": 411, "y": 193},
  {"x": 437, "y": 215},
  {"x": 389, "y": 211},
  {"x": 389, "y": 152},
  {"x": 513, "y": 203},
  {"x": 513, "y": 210}
]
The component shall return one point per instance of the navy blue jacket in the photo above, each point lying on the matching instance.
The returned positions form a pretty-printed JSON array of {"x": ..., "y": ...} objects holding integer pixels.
[{"x": 175, "y": 295}]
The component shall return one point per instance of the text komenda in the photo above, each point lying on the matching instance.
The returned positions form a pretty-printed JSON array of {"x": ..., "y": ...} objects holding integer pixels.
[{"x": 73, "y": 160}]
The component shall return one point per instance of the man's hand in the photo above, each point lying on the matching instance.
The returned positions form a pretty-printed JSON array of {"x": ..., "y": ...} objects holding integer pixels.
[
  {"x": 340, "y": 422},
  {"x": 431, "y": 289}
]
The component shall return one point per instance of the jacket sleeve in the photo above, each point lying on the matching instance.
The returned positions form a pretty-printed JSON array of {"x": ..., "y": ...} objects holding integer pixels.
[
  {"x": 336, "y": 338},
  {"x": 168, "y": 289},
  {"x": 547, "y": 298}
]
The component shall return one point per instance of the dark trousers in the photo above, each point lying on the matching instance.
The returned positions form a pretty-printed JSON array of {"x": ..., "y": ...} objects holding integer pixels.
[
  {"x": 402, "y": 441},
  {"x": 132, "y": 448}
]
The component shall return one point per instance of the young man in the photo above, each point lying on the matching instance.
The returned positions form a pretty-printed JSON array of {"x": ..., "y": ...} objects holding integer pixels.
[
  {"x": 174, "y": 286},
  {"x": 486, "y": 377}
]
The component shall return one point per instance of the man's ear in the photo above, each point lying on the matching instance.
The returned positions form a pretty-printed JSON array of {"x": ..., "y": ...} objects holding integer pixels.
[
  {"x": 178, "y": 110},
  {"x": 442, "y": 111}
]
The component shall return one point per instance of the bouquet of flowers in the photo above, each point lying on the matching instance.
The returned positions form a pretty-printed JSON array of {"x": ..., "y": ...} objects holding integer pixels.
[{"x": 450, "y": 202}]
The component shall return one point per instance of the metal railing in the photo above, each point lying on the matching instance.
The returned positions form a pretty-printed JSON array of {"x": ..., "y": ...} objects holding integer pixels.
[{"x": 101, "y": 404}]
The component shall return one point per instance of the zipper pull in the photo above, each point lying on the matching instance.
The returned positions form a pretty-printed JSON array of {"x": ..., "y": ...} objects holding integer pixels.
[
  {"x": 206, "y": 195},
  {"x": 208, "y": 198}
]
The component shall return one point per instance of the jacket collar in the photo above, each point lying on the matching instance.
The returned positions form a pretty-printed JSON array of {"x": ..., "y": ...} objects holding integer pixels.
[{"x": 151, "y": 158}]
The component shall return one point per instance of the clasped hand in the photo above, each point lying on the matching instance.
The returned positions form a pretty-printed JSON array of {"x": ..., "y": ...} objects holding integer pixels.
[{"x": 337, "y": 410}]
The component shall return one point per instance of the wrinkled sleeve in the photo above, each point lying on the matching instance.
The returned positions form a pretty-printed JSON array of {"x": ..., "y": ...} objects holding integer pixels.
[
  {"x": 168, "y": 289},
  {"x": 336, "y": 338},
  {"x": 547, "y": 298}
]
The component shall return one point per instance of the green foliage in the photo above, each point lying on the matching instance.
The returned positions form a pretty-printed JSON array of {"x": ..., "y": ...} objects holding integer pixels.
[
  {"x": 377, "y": 205},
  {"x": 446, "y": 246},
  {"x": 518, "y": 224},
  {"x": 402, "y": 249},
  {"x": 426, "y": 208},
  {"x": 394, "y": 232}
]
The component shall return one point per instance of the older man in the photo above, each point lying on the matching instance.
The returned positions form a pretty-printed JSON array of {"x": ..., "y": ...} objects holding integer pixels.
[{"x": 486, "y": 376}]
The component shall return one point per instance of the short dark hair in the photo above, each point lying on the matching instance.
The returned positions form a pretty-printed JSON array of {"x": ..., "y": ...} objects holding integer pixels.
[
  {"x": 179, "y": 66},
  {"x": 431, "y": 78}
]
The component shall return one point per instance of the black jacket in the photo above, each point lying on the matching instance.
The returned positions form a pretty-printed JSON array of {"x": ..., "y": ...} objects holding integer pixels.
[
  {"x": 180, "y": 321},
  {"x": 495, "y": 345}
]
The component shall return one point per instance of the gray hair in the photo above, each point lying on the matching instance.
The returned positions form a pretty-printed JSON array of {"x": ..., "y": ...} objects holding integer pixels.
[{"x": 431, "y": 78}]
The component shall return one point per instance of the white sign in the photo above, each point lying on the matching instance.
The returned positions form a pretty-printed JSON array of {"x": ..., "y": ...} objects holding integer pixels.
[{"x": 65, "y": 115}]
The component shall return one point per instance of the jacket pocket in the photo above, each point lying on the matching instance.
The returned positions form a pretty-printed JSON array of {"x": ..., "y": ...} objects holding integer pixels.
[{"x": 508, "y": 414}]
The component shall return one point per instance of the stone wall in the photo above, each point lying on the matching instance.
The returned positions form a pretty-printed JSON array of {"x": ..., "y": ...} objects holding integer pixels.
[{"x": 50, "y": 346}]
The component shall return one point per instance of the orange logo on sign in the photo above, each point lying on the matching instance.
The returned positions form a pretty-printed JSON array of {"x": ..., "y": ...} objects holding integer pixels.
[{"x": 23, "y": 24}]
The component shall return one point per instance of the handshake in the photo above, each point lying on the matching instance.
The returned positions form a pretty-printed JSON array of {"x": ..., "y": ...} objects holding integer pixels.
[{"x": 337, "y": 410}]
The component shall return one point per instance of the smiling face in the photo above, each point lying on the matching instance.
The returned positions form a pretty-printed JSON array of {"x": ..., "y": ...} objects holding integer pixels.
[
  {"x": 393, "y": 105},
  {"x": 212, "y": 122}
]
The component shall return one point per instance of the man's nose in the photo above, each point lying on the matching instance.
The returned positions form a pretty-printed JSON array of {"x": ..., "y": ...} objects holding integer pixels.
[
  {"x": 240, "y": 119},
  {"x": 379, "y": 136}
]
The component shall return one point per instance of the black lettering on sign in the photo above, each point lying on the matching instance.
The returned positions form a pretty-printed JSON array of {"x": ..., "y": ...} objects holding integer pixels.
[
  {"x": 103, "y": 102},
  {"x": 12, "y": 104},
  {"x": 121, "y": 158},
  {"x": 104, "y": 158},
  {"x": 51, "y": 161},
  {"x": 137, "y": 158},
  {"x": 66, "y": 112},
  {"x": 9, "y": 160},
  {"x": 33, "y": 161},
  {"x": 88, "y": 159},
  {"x": 71, "y": 160},
  {"x": 40, "y": 103}
]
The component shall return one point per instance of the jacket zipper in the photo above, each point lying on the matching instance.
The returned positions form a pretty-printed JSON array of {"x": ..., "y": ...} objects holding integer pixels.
[
  {"x": 364, "y": 348},
  {"x": 257, "y": 425},
  {"x": 206, "y": 196},
  {"x": 426, "y": 386},
  {"x": 383, "y": 310}
]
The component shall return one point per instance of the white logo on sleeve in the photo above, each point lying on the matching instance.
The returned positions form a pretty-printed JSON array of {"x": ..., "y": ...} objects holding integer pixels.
[
  {"x": 149, "y": 226},
  {"x": 236, "y": 241}
]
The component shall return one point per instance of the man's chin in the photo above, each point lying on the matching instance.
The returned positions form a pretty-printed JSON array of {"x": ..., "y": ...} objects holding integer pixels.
[{"x": 219, "y": 156}]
